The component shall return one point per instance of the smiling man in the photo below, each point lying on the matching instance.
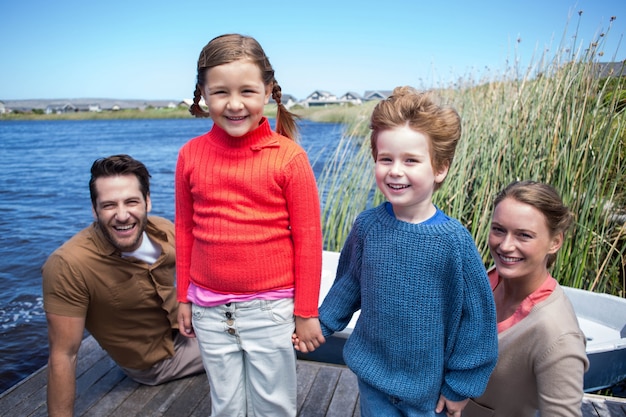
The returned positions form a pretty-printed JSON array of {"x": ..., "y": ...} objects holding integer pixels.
[{"x": 116, "y": 279}]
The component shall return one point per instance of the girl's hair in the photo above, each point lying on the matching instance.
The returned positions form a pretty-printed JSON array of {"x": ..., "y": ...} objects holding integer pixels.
[
  {"x": 229, "y": 48},
  {"x": 408, "y": 107},
  {"x": 544, "y": 198}
]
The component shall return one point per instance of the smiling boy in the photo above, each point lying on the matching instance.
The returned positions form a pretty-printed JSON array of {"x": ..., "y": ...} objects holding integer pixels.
[{"x": 426, "y": 339}]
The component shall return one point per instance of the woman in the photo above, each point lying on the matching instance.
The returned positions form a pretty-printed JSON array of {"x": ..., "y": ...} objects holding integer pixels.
[{"x": 542, "y": 356}]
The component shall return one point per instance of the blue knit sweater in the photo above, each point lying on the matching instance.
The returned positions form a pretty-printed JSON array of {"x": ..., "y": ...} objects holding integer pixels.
[{"x": 428, "y": 323}]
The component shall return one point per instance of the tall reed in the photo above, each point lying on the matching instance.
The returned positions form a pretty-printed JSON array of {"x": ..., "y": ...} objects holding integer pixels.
[{"x": 554, "y": 122}]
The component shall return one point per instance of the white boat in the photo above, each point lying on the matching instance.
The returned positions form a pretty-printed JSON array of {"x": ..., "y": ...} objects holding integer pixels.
[{"x": 602, "y": 318}]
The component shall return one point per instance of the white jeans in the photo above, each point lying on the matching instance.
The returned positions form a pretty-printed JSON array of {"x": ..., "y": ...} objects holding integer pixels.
[{"x": 250, "y": 361}]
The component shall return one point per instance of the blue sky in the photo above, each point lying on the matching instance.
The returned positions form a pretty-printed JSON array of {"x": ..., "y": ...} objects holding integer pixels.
[{"x": 136, "y": 49}]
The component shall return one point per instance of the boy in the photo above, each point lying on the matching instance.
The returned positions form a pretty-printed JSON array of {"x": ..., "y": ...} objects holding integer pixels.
[{"x": 426, "y": 337}]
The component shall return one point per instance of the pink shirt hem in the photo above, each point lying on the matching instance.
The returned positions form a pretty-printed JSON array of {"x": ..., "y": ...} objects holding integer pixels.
[{"x": 207, "y": 298}]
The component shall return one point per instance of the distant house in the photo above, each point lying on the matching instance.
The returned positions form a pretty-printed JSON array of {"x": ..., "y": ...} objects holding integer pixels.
[
  {"x": 320, "y": 98},
  {"x": 2, "y": 108},
  {"x": 60, "y": 108},
  {"x": 351, "y": 97},
  {"x": 187, "y": 102},
  {"x": 376, "y": 95}
]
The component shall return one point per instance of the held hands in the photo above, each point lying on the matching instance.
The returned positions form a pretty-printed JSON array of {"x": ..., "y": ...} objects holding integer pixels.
[
  {"x": 308, "y": 335},
  {"x": 453, "y": 408},
  {"x": 184, "y": 320}
]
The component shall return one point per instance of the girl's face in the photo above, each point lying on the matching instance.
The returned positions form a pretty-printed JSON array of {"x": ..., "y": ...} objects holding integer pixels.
[
  {"x": 520, "y": 241},
  {"x": 405, "y": 174},
  {"x": 236, "y": 96}
]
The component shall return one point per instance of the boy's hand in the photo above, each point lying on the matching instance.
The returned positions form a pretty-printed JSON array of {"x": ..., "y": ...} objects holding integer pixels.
[
  {"x": 453, "y": 408},
  {"x": 308, "y": 335}
]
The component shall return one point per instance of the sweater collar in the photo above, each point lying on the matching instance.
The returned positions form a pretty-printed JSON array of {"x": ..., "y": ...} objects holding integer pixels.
[{"x": 259, "y": 138}]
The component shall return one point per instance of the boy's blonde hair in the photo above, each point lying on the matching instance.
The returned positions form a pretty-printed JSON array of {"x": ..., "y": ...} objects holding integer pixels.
[{"x": 408, "y": 107}]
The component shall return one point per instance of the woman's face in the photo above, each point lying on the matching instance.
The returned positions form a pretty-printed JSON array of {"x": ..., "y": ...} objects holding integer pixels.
[{"x": 520, "y": 241}]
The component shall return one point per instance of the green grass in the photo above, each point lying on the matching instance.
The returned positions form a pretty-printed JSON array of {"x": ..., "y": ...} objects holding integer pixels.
[{"x": 554, "y": 122}]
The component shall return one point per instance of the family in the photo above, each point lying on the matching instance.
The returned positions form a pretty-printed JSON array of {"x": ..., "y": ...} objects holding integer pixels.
[{"x": 231, "y": 288}]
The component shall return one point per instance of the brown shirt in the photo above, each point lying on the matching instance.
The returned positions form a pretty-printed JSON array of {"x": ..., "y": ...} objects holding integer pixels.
[{"x": 129, "y": 306}]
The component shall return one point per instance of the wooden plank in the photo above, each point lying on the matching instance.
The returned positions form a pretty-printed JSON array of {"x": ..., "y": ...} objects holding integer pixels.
[
  {"x": 321, "y": 393},
  {"x": 103, "y": 390},
  {"x": 104, "y": 378},
  {"x": 138, "y": 398},
  {"x": 307, "y": 372},
  {"x": 345, "y": 401},
  {"x": 108, "y": 404},
  {"x": 185, "y": 403},
  {"x": 160, "y": 403},
  {"x": 203, "y": 408}
]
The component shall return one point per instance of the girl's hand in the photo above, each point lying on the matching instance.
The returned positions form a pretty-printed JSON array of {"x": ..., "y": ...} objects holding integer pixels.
[
  {"x": 308, "y": 335},
  {"x": 184, "y": 320}
]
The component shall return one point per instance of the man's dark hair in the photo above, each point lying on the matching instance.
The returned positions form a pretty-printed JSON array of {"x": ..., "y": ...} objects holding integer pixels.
[{"x": 118, "y": 165}]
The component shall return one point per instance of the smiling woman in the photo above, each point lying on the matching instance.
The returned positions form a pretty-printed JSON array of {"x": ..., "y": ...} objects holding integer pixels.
[{"x": 541, "y": 349}]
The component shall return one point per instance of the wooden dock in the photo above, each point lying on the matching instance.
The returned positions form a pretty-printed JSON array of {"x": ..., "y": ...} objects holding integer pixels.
[{"x": 103, "y": 390}]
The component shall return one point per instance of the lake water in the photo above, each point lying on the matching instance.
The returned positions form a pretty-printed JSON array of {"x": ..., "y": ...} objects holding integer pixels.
[{"x": 44, "y": 200}]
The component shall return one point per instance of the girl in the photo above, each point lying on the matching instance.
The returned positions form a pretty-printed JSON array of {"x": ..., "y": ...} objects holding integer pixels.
[
  {"x": 542, "y": 355},
  {"x": 248, "y": 235}
]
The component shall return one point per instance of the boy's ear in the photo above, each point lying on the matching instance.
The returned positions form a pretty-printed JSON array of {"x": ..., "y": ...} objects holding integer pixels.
[{"x": 442, "y": 174}]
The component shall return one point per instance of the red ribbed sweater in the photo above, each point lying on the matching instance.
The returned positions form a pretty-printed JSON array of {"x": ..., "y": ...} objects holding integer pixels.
[{"x": 248, "y": 217}]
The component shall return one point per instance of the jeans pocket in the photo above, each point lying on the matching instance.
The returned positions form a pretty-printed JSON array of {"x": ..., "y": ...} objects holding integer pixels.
[{"x": 280, "y": 311}]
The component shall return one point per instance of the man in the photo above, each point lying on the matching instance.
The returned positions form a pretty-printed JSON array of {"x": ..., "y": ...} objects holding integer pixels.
[{"x": 116, "y": 279}]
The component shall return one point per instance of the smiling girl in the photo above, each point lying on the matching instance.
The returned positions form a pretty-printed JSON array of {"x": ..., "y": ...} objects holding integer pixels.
[{"x": 248, "y": 236}]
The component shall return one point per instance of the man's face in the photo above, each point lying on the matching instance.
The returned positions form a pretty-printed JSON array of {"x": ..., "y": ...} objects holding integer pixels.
[{"x": 121, "y": 211}]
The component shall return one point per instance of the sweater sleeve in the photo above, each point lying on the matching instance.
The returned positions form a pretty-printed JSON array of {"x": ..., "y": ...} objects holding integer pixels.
[
  {"x": 560, "y": 374},
  {"x": 473, "y": 353},
  {"x": 183, "y": 222},
  {"x": 303, "y": 205},
  {"x": 344, "y": 297}
]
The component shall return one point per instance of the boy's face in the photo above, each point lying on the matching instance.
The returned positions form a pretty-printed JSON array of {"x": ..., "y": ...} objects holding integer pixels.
[{"x": 404, "y": 172}]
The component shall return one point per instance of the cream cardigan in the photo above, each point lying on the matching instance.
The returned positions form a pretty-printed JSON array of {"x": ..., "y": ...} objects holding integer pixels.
[{"x": 541, "y": 364}]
